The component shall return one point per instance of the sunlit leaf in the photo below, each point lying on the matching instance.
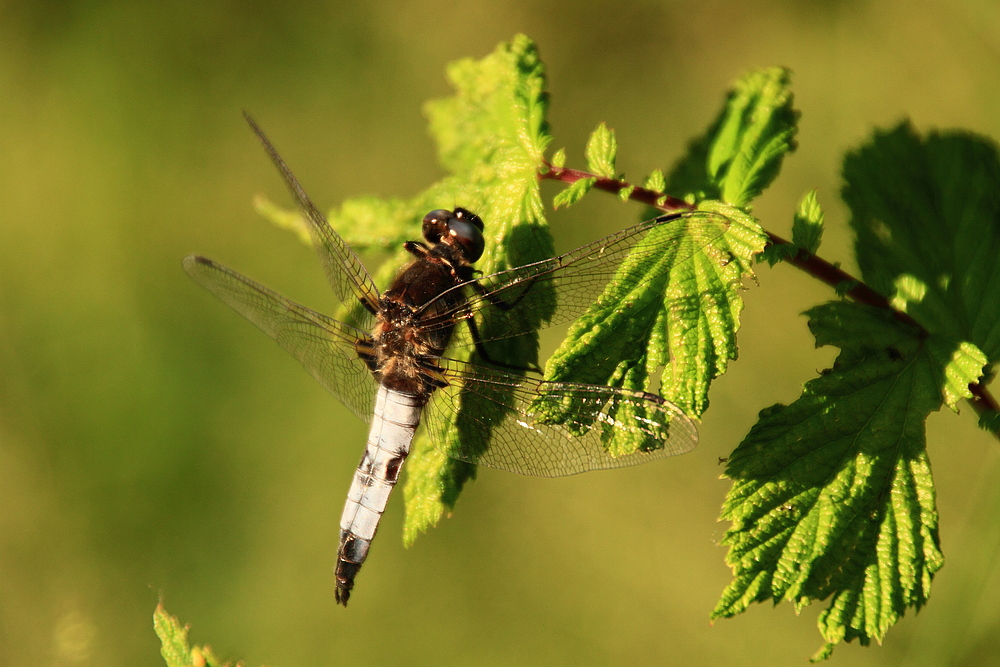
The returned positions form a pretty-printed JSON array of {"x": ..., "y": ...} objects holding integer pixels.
[
  {"x": 742, "y": 151},
  {"x": 174, "y": 643},
  {"x": 680, "y": 306},
  {"x": 807, "y": 225},
  {"x": 574, "y": 193},
  {"x": 656, "y": 182},
  {"x": 602, "y": 149},
  {"x": 832, "y": 496},
  {"x": 559, "y": 158}
]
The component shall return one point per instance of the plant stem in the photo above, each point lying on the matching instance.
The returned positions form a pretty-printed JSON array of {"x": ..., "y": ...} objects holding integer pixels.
[{"x": 653, "y": 198}]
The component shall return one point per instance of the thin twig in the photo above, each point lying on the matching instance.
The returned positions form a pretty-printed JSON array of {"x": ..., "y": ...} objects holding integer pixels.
[{"x": 614, "y": 186}]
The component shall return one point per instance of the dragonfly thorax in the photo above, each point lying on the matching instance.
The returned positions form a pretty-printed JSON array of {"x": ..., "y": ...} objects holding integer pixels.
[
  {"x": 401, "y": 349},
  {"x": 413, "y": 328}
]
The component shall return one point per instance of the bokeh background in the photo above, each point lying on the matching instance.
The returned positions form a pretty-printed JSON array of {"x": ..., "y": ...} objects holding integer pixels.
[{"x": 154, "y": 445}]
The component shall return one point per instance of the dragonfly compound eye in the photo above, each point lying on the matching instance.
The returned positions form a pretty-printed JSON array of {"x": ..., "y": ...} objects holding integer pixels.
[
  {"x": 466, "y": 214},
  {"x": 464, "y": 233},
  {"x": 436, "y": 224}
]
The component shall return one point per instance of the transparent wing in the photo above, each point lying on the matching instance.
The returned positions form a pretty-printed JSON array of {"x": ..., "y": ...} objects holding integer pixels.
[
  {"x": 327, "y": 348},
  {"x": 525, "y": 294},
  {"x": 344, "y": 271},
  {"x": 525, "y": 425}
]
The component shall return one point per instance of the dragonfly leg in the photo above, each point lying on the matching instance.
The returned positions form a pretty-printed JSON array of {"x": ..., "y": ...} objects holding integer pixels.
[
  {"x": 498, "y": 302},
  {"x": 485, "y": 356}
]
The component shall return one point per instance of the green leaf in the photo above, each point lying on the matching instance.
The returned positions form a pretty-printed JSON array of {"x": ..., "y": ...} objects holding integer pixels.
[
  {"x": 371, "y": 222},
  {"x": 661, "y": 309},
  {"x": 990, "y": 421},
  {"x": 656, "y": 182},
  {"x": 574, "y": 193},
  {"x": 433, "y": 484},
  {"x": 908, "y": 289},
  {"x": 742, "y": 151},
  {"x": 492, "y": 135},
  {"x": 174, "y": 643},
  {"x": 807, "y": 230},
  {"x": 778, "y": 252},
  {"x": 807, "y": 225},
  {"x": 602, "y": 148},
  {"x": 926, "y": 212},
  {"x": 496, "y": 119},
  {"x": 845, "y": 286},
  {"x": 963, "y": 364},
  {"x": 757, "y": 133},
  {"x": 559, "y": 159},
  {"x": 689, "y": 178},
  {"x": 832, "y": 496}
]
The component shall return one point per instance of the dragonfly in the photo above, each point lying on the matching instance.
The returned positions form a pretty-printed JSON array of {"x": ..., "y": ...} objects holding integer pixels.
[{"x": 389, "y": 361}]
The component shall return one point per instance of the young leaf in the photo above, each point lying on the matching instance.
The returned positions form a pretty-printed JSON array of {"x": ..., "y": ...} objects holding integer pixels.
[
  {"x": 777, "y": 252},
  {"x": 807, "y": 230},
  {"x": 742, "y": 151},
  {"x": 807, "y": 225},
  {"x": 574, "y": 193},
  {"x": 559, "y": 159},
  {"x": 289, "y": 219},
  {"x": 602, "y": 148},
  {"x": 757, "y": 133},
  {"x": 656, "y": 182},
  {"x": 832, "y": 496},
  {"x": 174, "y": 643}
]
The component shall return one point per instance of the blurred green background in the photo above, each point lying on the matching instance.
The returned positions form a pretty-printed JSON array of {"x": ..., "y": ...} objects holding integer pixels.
[{"x": 153, "y": 444}]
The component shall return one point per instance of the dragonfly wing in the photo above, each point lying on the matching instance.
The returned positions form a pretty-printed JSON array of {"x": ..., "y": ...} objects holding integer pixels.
[
  {"x": 524, "y": 294},
  {"x": 550, "y": 429},
  {"x": 344, "y": 271},
  {"x": 327, "y": 348}
]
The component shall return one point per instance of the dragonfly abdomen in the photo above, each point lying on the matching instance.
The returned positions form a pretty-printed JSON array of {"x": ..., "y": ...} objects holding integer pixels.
[{"x": 394, "y": 422}]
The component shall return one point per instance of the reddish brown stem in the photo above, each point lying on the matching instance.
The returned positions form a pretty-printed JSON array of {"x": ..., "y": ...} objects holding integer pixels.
[
  {"x": 982, "y": 401},
  {"x": 614, "y": 186},
  {"x": 837, "y": 278}
]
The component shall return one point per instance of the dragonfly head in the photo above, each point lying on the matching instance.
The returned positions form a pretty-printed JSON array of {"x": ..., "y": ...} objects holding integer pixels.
[{"x": 460, "y": 229}]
